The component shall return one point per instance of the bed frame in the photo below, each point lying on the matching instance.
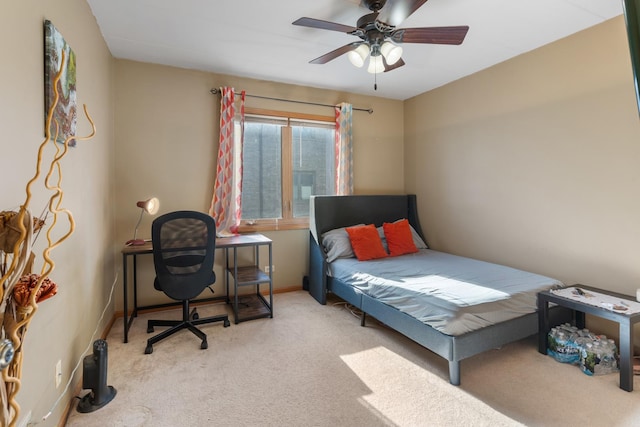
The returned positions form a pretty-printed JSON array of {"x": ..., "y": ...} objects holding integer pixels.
[{"x": 330, "y": 212}]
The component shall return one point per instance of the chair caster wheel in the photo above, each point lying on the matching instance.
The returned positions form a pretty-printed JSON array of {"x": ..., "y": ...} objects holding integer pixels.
[
  {"x": 149, "y": 349},
  {"x": 195, "y": 316},
  {"x": 149, "y": 329},
  {"x": 227, "y": 323},
  {"x": 204, "y": 345}
]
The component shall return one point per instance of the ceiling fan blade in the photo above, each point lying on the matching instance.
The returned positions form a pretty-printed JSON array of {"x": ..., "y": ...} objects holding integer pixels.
[
  {"x": 434, "y": 35},
  {"x": 335, "y": 53},
  {"x": 399, "y": 63},
  {"x": 323, "y": 25},
  {"x": 395, "y": 12}
]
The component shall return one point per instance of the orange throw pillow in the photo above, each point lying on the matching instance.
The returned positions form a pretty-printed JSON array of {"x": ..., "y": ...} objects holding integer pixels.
[
  {"x": 366, "y": 242},
  {"x": 399, "y": 238}
]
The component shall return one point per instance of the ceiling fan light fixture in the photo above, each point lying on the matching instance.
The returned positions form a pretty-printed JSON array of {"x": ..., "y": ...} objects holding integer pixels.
[
  {"x": 391, "y": 52},
  {"x": 358, "y": 55},
  {"x": 378, "y": 33},
  {"x": 376, "y": 65}
]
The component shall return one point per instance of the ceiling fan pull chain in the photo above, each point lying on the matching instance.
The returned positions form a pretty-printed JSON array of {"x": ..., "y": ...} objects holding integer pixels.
[{"x": 375, "y": 81}]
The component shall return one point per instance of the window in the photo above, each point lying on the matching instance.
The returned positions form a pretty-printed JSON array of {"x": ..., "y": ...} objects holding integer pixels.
[{"x": 287, "y": 157}]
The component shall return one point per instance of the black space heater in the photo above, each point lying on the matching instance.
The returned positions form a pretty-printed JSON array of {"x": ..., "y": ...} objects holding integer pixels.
[{"x": 94, "y": 377}]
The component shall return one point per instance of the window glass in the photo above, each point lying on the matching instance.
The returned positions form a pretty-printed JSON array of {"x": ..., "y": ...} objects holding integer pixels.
[
  {"x": 261, "y": 171},
  {"x": 313, "y": 165},
  {"x": 285, "y": 162}
]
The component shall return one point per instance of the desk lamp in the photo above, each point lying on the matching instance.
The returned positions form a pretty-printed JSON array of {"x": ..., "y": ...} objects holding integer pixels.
[{"x": 151, "y": 207}]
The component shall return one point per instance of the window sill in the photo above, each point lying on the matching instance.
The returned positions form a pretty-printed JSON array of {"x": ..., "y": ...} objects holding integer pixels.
[{"x": 274, "y": 225}]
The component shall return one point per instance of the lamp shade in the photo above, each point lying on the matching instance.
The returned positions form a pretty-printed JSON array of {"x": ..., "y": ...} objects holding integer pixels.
[
  {"x": 391, "y": 52},
  {"x": 150, "y": 206},
  {"x": 358, "y": 55},
  {"x": 376, "y": 65}
]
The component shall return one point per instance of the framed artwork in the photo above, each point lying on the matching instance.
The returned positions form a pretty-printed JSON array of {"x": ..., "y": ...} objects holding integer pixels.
[
  {"x": 631, "y": 9},
  {"x": 65, "y": 113}
]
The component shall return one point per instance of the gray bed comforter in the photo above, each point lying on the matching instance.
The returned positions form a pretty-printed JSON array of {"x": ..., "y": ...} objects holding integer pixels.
[{"x": 452, "y": 294}]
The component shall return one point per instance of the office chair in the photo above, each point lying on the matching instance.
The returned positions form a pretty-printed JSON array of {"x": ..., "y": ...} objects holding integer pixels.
[{"x": 184, "y": 245}]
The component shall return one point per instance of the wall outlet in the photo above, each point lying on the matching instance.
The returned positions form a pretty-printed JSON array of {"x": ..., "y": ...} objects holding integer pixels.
[
  {"x": 268, "y": 269},
  {"x": 58, "y": 373}
]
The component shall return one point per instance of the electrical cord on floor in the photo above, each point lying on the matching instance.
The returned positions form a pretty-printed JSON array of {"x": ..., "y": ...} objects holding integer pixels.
[
  {"x": 356, "y": 312},
  {"x": 350, "y": 308},
  {"x": 66, "y": 388}
]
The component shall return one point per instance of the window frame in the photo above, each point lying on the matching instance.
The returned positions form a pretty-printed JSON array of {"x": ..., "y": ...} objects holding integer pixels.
[{"x": 287, "y": 222}]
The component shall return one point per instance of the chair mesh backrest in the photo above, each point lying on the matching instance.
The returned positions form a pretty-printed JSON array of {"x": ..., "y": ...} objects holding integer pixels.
[{"x": 183, "y": 251}]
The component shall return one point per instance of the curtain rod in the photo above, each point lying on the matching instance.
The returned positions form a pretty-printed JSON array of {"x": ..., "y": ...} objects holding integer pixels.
[{"x": 216, "y": 91}]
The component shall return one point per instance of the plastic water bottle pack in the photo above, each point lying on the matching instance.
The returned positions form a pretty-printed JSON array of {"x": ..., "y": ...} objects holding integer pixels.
[{"x": 595, "y": 354}]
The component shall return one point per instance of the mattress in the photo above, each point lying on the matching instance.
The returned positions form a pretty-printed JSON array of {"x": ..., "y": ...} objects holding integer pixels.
[{"x": 450, "y": 293}]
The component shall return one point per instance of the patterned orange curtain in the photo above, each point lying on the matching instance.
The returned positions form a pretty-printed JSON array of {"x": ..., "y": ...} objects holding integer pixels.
[
  {"x": 344, "y": 149},
  {"x": 226, "y": 204}
]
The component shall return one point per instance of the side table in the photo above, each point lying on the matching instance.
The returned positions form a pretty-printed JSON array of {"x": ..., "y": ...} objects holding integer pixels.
[{"x": 580, "y": 308}]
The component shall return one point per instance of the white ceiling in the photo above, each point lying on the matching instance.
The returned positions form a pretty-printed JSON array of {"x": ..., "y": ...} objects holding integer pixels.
[{"x": 255, "y": 38}]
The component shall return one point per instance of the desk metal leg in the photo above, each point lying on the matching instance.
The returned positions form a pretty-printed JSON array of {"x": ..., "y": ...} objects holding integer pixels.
[
  {"x": 124, "y": 299},
  {"x": 235, "y": 285},
  {"x": 128, "y": 320},
  {"x": 134, "y": 313},
  {"x": 626, "y": 356},
  {"x": 270, "y": 282},
  {"x": 226, "y": 275}
]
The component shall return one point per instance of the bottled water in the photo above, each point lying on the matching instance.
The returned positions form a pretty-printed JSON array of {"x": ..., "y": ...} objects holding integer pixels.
[
  {"x": 599, "y": 357},
  {"x": 562, "y": 345},
  {"x": 596, "y": 355}
]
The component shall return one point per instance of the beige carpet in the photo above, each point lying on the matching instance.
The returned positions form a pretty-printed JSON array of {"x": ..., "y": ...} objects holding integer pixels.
[{"x": 313, "y": 365}]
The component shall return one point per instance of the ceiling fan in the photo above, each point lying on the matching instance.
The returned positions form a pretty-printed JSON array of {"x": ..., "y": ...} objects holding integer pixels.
[{"x": 380, "y": 37}]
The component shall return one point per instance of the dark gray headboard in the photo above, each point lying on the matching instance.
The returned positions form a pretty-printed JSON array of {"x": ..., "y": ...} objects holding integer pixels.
[{"x": 329, "y": 212}]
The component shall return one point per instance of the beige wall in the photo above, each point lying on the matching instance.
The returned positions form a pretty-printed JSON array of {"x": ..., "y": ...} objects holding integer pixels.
[
  {"x": 167, "y": 141},
  {"x": 535, "y": 162},
  {"x": 85, "y": 264},
  {"x": 532, "y": 163}
]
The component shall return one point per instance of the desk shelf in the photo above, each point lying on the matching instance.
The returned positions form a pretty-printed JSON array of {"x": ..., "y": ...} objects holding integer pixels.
[
  {"x": 249, "y": 275},
  {"x": 252, "y": 305}
]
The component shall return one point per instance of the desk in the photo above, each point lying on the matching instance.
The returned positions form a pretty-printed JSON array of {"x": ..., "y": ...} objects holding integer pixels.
[
  {"x": 225, "y": 243},
  {"x": 625, "y": 322}
]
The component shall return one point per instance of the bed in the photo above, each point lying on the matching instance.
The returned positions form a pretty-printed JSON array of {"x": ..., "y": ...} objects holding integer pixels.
[{"x": 454, "y": 306}]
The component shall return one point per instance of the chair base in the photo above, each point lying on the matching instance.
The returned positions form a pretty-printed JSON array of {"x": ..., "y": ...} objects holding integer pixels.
[{"x": 189, "y": 321}]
